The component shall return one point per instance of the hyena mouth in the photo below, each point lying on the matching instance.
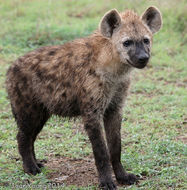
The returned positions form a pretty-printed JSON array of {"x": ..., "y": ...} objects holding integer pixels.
[
  {"x": 129, "y": 62},
  {"x": 139, "y": 66}
]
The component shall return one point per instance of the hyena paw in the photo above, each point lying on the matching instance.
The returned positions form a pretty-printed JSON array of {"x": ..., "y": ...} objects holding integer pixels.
[
  {"x": 107, "y": 185},
  {"x": 32, "y": 169},
  {"x": 127, "y": 179},
  {"x": 39, "y": 164}
]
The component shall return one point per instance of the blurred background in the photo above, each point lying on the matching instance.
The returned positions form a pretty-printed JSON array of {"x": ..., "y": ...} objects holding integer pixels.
[{"x": 155, "y": 118}]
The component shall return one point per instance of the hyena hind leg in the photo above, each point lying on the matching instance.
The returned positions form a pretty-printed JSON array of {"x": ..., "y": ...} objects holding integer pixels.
[
  {"x": 44, "y": 116},
  {"x": 30, "y": 122}
]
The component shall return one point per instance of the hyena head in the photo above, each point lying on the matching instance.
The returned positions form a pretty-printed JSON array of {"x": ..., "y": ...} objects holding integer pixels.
[{"x": 131, "y": 35}]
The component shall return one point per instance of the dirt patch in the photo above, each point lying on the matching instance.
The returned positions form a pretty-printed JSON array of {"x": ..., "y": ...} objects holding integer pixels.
[{"x": 71, "y": 171}]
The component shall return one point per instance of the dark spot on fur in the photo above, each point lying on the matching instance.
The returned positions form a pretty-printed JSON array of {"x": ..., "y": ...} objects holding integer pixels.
[
  {"x": 64, "y": 95},
  {"x": 51, "y": 77},
  {"x": 33, "y": 66},
  {"x": 52, "y": 52},
  {"x": 89, "y": 56},
  {"x": 16, "y": 69},
  {"x": 84, "y": 64},
  {"x": 50, "y": 88},
  {"x": 70, "y": 54},
  {"x": 55, "y": 67},
  {"x": 88, "y": 45},
  {"x": 66, "y": 84},
  {"x": 84, "y": 90},
  {"x": 100, "y": 84},
  {"x": 39, "y": 74},
  {"x": 95, "y": 110},
  {"x": 39, "y": 58},
  {"x": 24, "y": 80},
  {"x": 92, "y": 72},
  {"x": 86, "y": 59},
  {"x": 66, "y": 66},
  {"x": 18, "y": 91}
]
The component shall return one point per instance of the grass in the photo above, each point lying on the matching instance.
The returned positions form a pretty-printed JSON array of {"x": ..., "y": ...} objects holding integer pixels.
[{"x": 155, "y": 117}]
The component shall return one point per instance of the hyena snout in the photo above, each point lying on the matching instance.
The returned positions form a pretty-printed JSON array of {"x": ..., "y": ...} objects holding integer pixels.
[
  {"x": 139, "y": 59},
  {"x": 143, "y": 58}
]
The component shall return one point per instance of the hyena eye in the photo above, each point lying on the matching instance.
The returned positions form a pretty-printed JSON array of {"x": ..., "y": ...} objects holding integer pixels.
[
  {"x": 146, "y": 41},
  {"x": 127, "y": 43}
]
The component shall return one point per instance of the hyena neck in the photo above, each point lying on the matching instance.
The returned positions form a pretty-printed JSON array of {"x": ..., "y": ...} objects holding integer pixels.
[
  {"x": 111, "y": 67},
  {"x": 115, "y": 77}
]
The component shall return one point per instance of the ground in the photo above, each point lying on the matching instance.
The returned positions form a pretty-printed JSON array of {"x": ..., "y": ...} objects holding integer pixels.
[{"x": 154, "y": 125}]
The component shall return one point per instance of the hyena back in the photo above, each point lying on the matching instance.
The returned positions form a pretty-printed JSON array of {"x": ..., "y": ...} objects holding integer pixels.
[{"x": 87, "y": 77}]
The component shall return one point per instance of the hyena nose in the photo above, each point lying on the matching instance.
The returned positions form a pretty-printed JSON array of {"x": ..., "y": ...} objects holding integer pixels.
[{"x": 143, "y": 58}]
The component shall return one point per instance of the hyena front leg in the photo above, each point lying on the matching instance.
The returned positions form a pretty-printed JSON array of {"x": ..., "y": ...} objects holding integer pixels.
[
  {"x": 112, "y": 123},
  {"x": 93, "y": 126}
]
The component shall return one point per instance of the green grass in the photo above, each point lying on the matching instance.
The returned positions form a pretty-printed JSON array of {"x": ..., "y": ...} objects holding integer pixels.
[{"x": 154, "y": 127}]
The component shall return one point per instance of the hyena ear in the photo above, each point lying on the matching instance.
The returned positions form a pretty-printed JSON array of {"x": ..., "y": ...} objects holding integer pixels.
[
  {"x": 153, "y": 19},
  {"x": 110, "y": 21}
]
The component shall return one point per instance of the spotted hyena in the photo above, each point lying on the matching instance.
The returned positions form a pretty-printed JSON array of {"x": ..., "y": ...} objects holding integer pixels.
[{"x": 87, "y": 77}]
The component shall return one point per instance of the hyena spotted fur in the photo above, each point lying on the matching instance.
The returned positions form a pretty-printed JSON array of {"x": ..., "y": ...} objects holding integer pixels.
[{"x": 87, "y": 77}]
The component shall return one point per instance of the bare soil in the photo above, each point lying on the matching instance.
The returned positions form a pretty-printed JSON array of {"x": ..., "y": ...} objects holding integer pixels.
[{"x": 68, "y": 171}]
